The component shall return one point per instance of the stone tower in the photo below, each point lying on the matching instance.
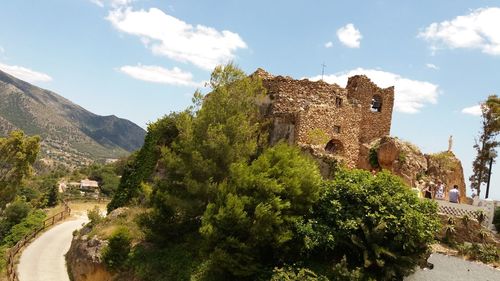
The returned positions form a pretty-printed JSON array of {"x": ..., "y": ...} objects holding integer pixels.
[{"x": 376, "y": 107}]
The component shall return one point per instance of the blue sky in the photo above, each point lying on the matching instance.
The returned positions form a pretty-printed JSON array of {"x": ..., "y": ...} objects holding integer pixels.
[{"x": 142, "y": 59}]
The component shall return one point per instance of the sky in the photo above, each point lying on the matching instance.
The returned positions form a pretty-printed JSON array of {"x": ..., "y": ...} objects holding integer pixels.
[{"x": 142, "y": 59}]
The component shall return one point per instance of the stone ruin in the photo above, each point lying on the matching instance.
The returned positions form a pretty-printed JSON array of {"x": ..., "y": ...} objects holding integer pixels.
[
  {"x": 347, "y": 125},
  {"x": 326, "y": 118}
]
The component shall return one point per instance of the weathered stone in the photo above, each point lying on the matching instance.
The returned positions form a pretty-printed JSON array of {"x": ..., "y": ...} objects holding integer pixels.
[
  {"x": 299, "y": 108},
  {"x": 84, "y": 260}
]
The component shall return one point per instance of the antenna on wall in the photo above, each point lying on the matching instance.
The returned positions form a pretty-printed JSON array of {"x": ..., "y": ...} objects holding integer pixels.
[{"x": 323, "y": 65}]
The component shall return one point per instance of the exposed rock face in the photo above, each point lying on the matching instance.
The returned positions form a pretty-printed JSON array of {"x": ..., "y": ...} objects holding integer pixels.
[
  {"x": 446, "y": 167},
  {"x": 84, "y": 260},
  {"x": 407, "y": 161},
  {"x": 402, "y": 158}
]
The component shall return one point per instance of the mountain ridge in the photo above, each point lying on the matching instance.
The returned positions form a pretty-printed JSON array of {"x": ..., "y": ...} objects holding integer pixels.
[{"x": 70, "y": 134}]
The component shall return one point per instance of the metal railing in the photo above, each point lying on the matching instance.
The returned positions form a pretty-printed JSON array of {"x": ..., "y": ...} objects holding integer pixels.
[{"x": 12, "y": 252}]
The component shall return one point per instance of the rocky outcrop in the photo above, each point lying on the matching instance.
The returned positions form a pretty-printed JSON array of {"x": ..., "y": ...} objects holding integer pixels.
[
  {"x": 407, "y": 161},
  {"x": 84, "y": 260},
  {"x": 446, "y": 167}
]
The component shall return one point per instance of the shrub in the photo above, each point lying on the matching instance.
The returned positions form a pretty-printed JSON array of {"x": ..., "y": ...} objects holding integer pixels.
[
  {"x": 252, "y": 223},
  {"x": 116, "y": 253},
  {"x": 31, "y": 222},
  {"x": 378, "y": 223},
  {"x": 94, "y": 216},
  {"x": 373, "y": 158},
  {"x": 480, "y": 216},
  {"x": 296, "y": 274},
  {"x": 496, "y": 219},
  {"x": 486, "y": 253},
  {"x": 465, "y": 220}
]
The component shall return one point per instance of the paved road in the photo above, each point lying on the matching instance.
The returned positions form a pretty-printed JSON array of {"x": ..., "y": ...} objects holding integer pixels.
[
  {"x": 43, "y": 259},
  {"x": 448, "y": 268}
]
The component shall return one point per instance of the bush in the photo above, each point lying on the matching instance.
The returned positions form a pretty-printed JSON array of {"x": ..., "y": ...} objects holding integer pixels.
[
  {"x": 373, "y": 158},
  {"x": 252, "y": 223},
  {"x": 377, "y": 222},
  {"x": 296, "y": 274},
  {"x": 33, "y": 221},
  {"x": 116, "y": 253},
  {"x": 94, "y": 216},
  {"x": 486, "y": 253},
  {"x": 496, "y": 219}
]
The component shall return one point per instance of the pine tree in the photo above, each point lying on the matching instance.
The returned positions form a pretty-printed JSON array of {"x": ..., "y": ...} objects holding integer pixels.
[{"x": 487, "y": 141}]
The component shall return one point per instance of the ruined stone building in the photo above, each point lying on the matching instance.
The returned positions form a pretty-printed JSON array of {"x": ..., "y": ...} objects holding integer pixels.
[{"x": 326, "y": 117}]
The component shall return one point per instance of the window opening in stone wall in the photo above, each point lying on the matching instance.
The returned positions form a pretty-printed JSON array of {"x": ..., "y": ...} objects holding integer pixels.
[
  {"x": 334, "y": 147},
  {"x": 376, "y": 104},
  {"x": 338, "y": 102},
  {"x": 336, "y": 129}
]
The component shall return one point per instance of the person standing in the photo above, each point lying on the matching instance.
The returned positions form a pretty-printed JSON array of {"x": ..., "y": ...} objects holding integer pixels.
[
  {"x": 454, "y": 195},
  {"x": 440, "y": 191},
  {"x": 428, "y": 191}
]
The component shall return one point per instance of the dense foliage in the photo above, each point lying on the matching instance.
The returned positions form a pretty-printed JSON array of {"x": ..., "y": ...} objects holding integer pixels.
[
  {"x": 375, "y": 222},
  {"x": 496, "y": 218},
  {"x": 17, "y": 155},
  {"x": 486, "y": 144},
  {"x": 251, "y": 225},
  {"x": 224, "y": 206},
  {"x": 116, "y": 252},
  {"x": 141, "y": 165}
]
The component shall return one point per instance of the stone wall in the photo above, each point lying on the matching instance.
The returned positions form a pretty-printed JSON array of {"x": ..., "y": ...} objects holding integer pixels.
[
  {"x": 344, "y": 115},
  {"x": 373, "y": 124},
  {"x": 325, "y": 119}
]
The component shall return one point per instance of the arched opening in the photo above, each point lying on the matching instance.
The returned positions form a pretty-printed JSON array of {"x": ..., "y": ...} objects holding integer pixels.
[
  {"x": 334, "y": 147},
  {"x": 376, "y": 104}
]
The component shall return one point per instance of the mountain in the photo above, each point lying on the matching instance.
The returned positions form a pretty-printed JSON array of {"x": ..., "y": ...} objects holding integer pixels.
[{"x": 70, "y": 134}]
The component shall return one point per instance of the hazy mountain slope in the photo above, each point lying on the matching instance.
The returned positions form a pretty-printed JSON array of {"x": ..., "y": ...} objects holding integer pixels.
[{"x": 69, "y": 132}]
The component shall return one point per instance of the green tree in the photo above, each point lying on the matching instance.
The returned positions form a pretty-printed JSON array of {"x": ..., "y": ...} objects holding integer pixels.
[
  {"x": 487, "y": 141},
  {"x": 141, "y": 165},
  {"x": 17, "y": 155},
  {"x": 225, "y": 130},
  {"x": 376, "y": 222},
  {"x": 117, "y": 251},
  {"x": 251, "y": 224},
  {"x": 13, "y": 214}
]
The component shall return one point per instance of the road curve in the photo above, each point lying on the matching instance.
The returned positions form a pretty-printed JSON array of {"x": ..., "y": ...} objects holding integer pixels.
[{"x": 43, "y": 259}]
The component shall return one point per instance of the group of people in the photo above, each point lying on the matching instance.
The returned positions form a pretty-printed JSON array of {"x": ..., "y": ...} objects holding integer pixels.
[{"x": 437, "y": 191}]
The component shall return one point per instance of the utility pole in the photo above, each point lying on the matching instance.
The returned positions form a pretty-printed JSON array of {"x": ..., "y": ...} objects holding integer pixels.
[
  {"x": 492, "y": 155},
  {"x": 323, "y": 65}
]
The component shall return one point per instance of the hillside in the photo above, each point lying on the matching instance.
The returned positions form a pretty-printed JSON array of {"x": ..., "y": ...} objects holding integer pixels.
[{"x": 70, "y": 133}]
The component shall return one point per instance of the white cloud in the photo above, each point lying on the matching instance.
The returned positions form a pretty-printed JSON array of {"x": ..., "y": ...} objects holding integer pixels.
[
  {"x": 158, "y": 74},
  {"x": 112, "y": 3},
  {"x": 2, "y": 50},
  {"x": 474, "y": 110},
  {"x": 168, "y": 36},
  {"x": 410, "y": 95},
  {"x": 99, "y": 3},
  {"x": 432, "y": 66},
  {"x": 477, "y": 30},
  {"x": 25, "y": 74},
  {"x": 349, "y": 36},
  {"x": 328, "y": 44}
]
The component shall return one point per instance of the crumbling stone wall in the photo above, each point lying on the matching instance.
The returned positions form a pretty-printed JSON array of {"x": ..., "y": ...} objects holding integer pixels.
[
  {"x": 343, "y": 115},
  {"x": 374, "y": 124},
  {"x": 325, "y": 119}
]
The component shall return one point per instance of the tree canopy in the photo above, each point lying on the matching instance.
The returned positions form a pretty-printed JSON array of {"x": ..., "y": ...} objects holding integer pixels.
[
  {"x": 487, "y": 142},
  {"x": 17, "y": 155}
]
